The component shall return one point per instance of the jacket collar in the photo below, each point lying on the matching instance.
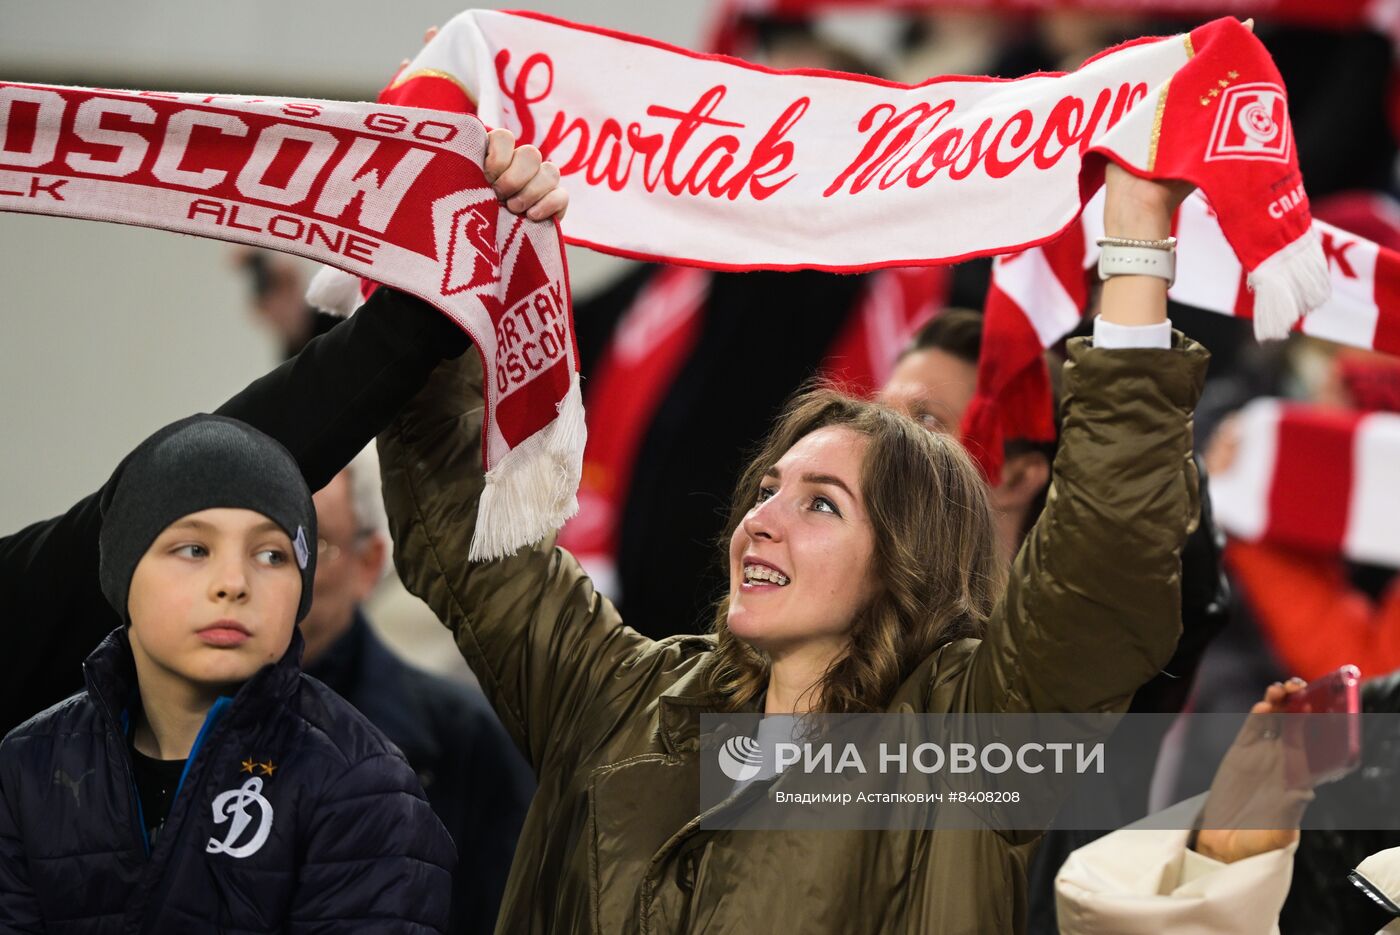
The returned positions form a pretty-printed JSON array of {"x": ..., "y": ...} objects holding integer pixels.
[
  {"x": 681, "y": 705},
  {"x": 110, "y": 675}
]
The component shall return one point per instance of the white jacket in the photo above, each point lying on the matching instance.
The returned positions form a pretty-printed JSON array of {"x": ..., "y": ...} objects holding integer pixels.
[
  {"x": 1380, "y": 878},
  {"x": 1143, "y": 881}
]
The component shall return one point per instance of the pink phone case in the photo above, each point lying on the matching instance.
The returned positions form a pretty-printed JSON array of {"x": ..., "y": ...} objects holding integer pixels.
[{"x": 1332, "y": 745}]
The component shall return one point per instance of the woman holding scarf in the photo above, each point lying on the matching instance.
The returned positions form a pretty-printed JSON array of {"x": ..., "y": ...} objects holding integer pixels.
[{"x": 862, "y": 578}]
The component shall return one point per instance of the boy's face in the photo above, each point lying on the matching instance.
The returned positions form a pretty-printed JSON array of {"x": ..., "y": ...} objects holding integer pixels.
[{"x": 214, "y": 598}]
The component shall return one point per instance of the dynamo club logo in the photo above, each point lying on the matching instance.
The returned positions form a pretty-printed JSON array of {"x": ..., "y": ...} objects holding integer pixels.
[
  {"x": 249, "y": 817},
  {"x": 740, "y": 758}
]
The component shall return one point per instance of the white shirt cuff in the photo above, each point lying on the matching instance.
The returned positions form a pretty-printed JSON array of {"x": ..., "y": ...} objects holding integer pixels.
[{"x": 1110, "y": 335}]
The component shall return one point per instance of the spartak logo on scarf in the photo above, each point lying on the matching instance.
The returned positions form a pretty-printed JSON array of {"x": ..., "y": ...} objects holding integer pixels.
[
  {"x": 732, "y": 166},
  {"x": 391, "y": 194}
]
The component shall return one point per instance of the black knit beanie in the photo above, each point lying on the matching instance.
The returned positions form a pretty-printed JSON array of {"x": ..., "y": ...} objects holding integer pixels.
[{"x": 203, "y": 462}]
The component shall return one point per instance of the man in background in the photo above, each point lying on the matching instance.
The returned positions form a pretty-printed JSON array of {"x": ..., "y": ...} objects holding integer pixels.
[{"x": 933, "y": 382}]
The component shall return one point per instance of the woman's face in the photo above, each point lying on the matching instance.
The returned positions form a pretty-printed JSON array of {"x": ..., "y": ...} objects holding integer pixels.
[{"x": 801, "y": 562}]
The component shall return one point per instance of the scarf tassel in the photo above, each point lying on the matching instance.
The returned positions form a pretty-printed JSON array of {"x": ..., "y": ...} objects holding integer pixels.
[
  {"x": 1289, "y": 284},
  {"x": 533, "y": 489}
]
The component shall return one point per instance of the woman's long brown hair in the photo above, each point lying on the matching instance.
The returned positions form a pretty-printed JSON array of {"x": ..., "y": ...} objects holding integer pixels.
[{"x": 935, "y": 553}]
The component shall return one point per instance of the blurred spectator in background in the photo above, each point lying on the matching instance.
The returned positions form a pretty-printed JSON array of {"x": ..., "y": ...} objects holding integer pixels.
[
  {"x": 1309, "y": 610},
  {"x": 279, "y": 298},
  {"x": 1298, "y": 610},
  {"x": 933, "y": 383}
]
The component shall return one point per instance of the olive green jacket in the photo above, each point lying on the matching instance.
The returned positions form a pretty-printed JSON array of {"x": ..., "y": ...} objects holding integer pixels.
[{"x": 610, "y": 719}]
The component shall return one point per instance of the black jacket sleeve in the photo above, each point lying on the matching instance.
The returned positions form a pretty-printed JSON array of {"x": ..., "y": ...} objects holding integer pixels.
[
  {"x": 325, "y": 404},
  {"x": 341, "y": 390}
]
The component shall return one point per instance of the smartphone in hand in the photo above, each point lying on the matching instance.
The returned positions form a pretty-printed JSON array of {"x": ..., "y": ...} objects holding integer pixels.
[{"x": 1331, "y": 744}]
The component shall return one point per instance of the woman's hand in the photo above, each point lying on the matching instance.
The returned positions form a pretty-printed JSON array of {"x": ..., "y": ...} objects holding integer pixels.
[
  {"x": 1137, "y": 209},
  {"x": 523, "y": 180},
  {"x": 1251, "y": 802},
  {"x": 520, "y": 176}
]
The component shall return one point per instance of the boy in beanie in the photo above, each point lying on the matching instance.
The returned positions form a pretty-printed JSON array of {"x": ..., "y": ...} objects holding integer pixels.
[{"x": 201, "y": 782}]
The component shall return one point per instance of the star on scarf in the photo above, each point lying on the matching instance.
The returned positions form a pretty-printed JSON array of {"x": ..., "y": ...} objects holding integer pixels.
[
  {"x": 247, "y": 766},
  {"x": 267, "y": 768}
]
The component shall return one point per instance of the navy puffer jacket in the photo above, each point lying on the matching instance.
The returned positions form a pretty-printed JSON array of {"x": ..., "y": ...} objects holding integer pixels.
[{"x": 294, "y": 815}]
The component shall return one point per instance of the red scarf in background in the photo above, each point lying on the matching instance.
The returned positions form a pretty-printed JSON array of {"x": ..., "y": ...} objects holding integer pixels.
[
  {"x": 892, "y": 307},
  {"x": 1314, "y": 478},
  {"x": 1039, "y": 296}
]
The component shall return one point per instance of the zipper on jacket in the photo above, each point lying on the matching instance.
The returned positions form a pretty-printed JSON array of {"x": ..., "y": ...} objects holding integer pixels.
[
  {"x": 215, "y": 712},
  {"x": 149, "y": 886},
  {"x": 130, "y": 770}
]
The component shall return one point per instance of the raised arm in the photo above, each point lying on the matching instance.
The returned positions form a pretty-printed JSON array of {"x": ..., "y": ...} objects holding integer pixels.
[
  {"x": 330, "y": 400},
  {"x": 545, "y": 646},
  {"x": 1093, "y": 608}
]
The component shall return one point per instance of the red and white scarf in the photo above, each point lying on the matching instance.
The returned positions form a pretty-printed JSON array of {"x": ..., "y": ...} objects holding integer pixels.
[
  {"x": 702, "y": 160},
  {"x": 1039, "y": 296},
  {"x": 1314, "y": 478},
  {"x": 391, "y": 194},
  {"x": 669, "y": 155}
]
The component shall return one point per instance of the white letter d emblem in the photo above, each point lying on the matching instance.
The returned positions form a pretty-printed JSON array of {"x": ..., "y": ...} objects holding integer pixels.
[{"x": 233, "y": 804}]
